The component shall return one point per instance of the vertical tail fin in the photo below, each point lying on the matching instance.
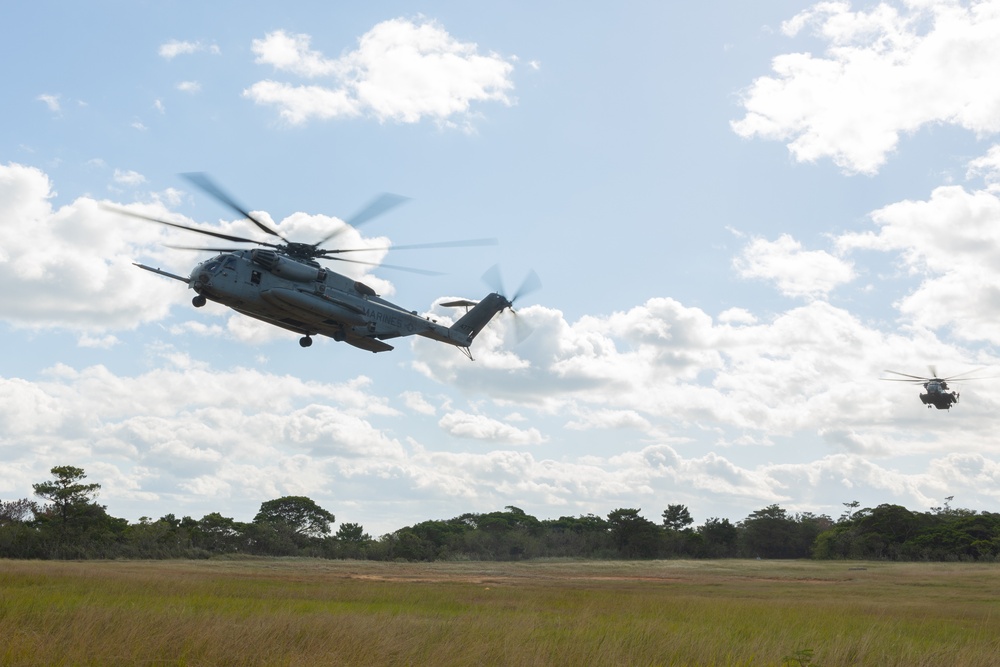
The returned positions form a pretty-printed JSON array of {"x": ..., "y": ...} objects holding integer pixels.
[{"x": 470, "y": 324}]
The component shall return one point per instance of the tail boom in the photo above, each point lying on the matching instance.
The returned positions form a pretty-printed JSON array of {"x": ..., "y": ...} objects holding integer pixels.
[{"x": 465, "y": 330}]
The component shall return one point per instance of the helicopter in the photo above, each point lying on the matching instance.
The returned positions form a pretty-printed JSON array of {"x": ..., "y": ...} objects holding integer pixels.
[
  {"x": 938, "y": 394},
  {"x": 284, "y": 285}
]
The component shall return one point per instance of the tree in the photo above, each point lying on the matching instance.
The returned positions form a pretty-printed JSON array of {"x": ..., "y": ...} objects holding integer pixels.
[
  {"x": 352, "y": 532},
  {"x": 720, "y": 538},
  {"x": 17, "y": 511},
  {"x": 848, "y": 515},
  {"x": 677, "y": 517},
  {"x": 67, "y": 494},
  {"x": 301, "y": 514},
  {"x": 586, "y": 535},
  {"x": 635, "y": 536},
  {"x": 894, "y": 523},
  {"x": 219, "y": 534},
  {"x": 770, "y": 533}
]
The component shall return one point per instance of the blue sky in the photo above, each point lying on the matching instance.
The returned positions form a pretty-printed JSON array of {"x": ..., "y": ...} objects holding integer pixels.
[{"x": 741, "y": 213}]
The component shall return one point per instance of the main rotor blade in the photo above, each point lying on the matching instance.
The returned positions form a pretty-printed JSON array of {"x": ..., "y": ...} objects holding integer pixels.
[
  {"x": 376, "y": 207},
  {"x": 960, "y": 378},
  {"x": 422, "y": 272},
  {"x": 188, "y": 247},
  {"x": 209, "y": 187},
  {"x": 915, "y": 377},
  {"x": 207, "y": 232},
  {"x": 417, "y": 246}
]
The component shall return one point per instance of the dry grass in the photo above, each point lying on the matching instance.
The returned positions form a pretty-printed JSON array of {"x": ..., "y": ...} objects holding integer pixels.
[{"x": 309, "y": 612}]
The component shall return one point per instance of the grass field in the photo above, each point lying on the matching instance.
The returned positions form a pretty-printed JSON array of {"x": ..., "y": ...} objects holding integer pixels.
[{"x": 316, "y": 612}]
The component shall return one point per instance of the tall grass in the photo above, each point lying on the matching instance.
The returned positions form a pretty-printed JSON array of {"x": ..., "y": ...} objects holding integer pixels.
[{"x": 307, "y": 612}]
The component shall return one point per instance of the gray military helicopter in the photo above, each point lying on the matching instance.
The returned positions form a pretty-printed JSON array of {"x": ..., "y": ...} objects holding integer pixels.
[
  {"x": 938, "y": 394},
  {"x": 283, "y": 284}
]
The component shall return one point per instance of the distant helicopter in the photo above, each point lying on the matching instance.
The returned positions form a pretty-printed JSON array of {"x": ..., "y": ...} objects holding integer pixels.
[
  {"x": 283, "y": 284},
  {"x": 938, "y": 395}
]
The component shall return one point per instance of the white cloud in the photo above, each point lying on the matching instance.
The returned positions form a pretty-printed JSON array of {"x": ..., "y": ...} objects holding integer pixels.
[
  {"x": 87, "y": 340},
  {"x": 987, "y": 166},
  {"x": 51, "y": 101},
  {"x": 72, "y": 266},
  {"x": 299, "y": 104},
  {"x": 189, "y": 87},
  {"x": 292, "y": 53},
  {"x": 664, "y": 368},
  {"x": 951, "y": 241},
  {"x": 173, "y": 48},
  {"x": 796, "y": 272},
  {"x": 604, "y": 419},
  {"x": 401, "y": 71},
  {"x": 415, "y": 401},
  {"x": 480, "y": 427},
  {"x": 130, "y": 178},
  {"x": 887, "y": 71}
]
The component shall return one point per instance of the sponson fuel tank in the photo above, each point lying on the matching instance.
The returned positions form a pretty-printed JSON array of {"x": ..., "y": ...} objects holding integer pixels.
[{"x": 311, "y": 307}]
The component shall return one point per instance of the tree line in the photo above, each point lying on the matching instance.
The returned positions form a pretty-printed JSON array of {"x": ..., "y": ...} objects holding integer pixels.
[{"x": 70, "y": 524}]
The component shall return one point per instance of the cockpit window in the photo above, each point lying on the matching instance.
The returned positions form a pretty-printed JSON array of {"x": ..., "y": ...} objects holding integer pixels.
[{"x": 213, "y": 266}]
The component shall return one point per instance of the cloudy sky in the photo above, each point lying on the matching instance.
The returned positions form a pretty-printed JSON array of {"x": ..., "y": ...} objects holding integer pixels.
[{"x": 741, "y": 214}]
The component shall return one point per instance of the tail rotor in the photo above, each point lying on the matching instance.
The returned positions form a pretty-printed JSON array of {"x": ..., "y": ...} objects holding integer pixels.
[{"x": 531, "y": 283}]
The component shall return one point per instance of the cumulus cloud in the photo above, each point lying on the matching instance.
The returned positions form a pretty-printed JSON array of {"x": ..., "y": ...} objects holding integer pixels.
[
  {"x": 602, "y": 419},
  {"x": 988, "y": 167},
  {"x": 72, "y": 266},
  {"x": 128, "y": 177},
  {"x": 666, "y": 368},
  {"x": 415, "y": 401},
  {"x": 480, "y": 427},
  {"x": 402, "y": 71},
  {"x": 795, "y": 272},
  {"x": 292, "y": 53},
  {"x": 952, "y": 243},
  {"x": 887, "y": 71}
]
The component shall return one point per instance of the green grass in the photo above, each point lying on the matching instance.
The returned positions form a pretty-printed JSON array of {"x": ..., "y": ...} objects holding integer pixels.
[{"x": 309, "y": 612}]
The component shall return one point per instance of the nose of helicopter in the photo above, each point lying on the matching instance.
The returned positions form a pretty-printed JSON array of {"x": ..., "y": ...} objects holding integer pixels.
[{"x": 201, "y": 275}]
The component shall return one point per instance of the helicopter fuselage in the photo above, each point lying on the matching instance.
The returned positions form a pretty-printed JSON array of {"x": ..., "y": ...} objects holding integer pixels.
[
  {"x": 301, "y": 296},
  {"x": 938, "y": 395}
]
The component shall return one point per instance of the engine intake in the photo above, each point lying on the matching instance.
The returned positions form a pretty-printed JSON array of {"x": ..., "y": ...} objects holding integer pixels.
[{"x": 285, "y": 267}]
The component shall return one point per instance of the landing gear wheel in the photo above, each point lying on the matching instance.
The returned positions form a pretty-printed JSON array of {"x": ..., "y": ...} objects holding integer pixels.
[
  {"x": 305, "y": 341},
  {"x": 199, "y": 301}
]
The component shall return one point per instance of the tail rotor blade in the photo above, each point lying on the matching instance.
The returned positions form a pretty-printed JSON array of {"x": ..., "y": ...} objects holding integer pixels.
[
  {"x": 493, "y": 279},
  {"x": 531, "y": 284},
  {"x": 521, "y": 328}
]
